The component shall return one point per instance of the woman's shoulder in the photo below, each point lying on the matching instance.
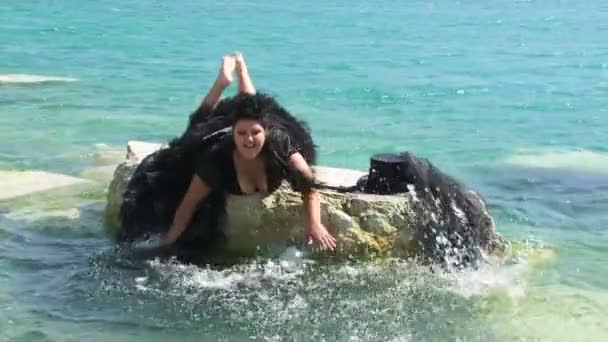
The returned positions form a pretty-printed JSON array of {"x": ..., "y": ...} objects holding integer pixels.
[
  {"x": 280, "y": 143},
  {"x": 293, "y": 136}
]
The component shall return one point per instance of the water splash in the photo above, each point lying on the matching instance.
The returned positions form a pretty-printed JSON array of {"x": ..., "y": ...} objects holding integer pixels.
[
  {"x": 503, "y": 275},
  {"x": 488, "y": 280},
  {"x": 176, "y": 279}
]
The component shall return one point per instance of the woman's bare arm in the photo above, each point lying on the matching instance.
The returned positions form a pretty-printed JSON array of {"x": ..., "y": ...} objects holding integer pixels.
[
  {"x": 197, "y": 191},
  {"x": 316, "y": 229}
]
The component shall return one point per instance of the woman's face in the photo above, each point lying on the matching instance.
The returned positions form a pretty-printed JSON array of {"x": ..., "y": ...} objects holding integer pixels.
[{"x": 249, "y": 138}]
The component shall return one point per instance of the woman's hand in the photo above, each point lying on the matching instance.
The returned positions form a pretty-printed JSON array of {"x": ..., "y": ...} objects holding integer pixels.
[
  {"x": 316, "y": 230},
  {"x": 319, "y": 233}
]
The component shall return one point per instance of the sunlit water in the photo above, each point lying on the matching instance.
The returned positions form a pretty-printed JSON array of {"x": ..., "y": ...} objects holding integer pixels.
[{"x": 509, "y": 97}]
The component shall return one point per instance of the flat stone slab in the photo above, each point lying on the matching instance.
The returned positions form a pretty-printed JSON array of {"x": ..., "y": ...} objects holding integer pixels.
[
  {"x": 337, "y": 177},
  {"x": 138, "y": 150},
  {"x": 32, "y": 79},
  {"x": 21, "y": 183}
]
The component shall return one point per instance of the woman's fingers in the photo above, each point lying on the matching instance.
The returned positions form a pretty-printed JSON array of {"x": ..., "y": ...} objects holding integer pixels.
[
  {"x": 325, "y": 240},
  {"x": 329, "y": 242}
]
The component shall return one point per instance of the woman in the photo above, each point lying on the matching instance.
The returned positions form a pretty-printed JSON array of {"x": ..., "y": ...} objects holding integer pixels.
[{"x": 241, "y": 145}]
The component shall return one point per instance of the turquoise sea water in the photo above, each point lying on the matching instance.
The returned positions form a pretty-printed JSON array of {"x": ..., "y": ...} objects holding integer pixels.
[{"x": 508, "y": 96}]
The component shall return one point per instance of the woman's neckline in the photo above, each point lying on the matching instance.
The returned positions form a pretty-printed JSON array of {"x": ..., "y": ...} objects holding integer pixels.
[{"x": 235, "y": 159}]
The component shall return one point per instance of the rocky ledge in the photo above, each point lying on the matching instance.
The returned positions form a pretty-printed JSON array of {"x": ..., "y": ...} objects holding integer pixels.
[{"x": 363, "y": 224}]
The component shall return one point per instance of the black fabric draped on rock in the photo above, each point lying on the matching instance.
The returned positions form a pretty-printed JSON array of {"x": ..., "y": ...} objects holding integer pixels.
[{"x": 160, "y": 181}]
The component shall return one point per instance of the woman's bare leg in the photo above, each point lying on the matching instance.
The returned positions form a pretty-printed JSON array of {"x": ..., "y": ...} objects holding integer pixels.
[
  {"x": 245, "y": 82},
  {"x": 223, "y": 80}
]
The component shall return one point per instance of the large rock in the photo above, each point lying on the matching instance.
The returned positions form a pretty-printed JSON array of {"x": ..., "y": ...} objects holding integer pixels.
[{"x": 364, "y": 224}]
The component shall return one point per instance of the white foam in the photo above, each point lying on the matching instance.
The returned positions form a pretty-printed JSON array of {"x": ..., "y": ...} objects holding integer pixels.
[
  {"x": 489, "y": 279},
  {"x": 32, "y": 79},
  {"x": 504, "y": 275},
  {"x": 582, "y": 160},
  {"x": 459, "y": 213},
  {"x": 412, "y": 191},
  {"x": 180, "y": 277}
]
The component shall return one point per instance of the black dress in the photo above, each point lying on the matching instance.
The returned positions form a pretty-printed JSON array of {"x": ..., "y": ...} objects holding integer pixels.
[
  {"x": 215, "y": 165},
  {"x": 206, "y": 149}
]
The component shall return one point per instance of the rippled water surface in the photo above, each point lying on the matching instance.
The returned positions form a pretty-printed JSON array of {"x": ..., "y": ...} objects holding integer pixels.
[{"x": 508, "y": 96}]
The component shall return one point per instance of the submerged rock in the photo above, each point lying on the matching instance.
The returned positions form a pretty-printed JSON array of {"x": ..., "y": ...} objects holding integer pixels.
[
  {"x": 15, "y": 184},
  {"x": 363, "y": 224}
]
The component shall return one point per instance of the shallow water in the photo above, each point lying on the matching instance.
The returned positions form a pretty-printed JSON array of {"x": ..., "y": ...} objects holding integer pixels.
[{"x": 508, "y": 97}]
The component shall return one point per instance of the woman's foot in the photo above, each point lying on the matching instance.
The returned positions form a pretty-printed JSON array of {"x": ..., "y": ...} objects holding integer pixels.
[
  {"x": 245, "y": 82},
  {"x": 225, "y": 76},
  {"x": 241, "y": 66}
]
